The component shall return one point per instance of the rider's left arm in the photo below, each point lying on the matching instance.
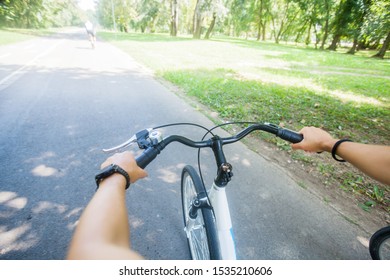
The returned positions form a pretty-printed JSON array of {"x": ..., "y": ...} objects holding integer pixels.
[{"x": 103, "y": 229}]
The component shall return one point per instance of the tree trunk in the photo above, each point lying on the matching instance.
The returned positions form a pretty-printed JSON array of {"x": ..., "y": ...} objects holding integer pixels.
[
  {"x": 174, "y": 18},
  {"x": 342, "y": 19},
  {"x": 353, "y": 49},
  {"x": 258, "y": 31},
  {"x": 260, "y": 23},
  {"x": 308, "y": 37},
  {"x": 211, "y": 27},
  {"x": 278, "y": 35},
  {"x": 333, "y": 45},
  {"x": 198, "y": 27},
  {"x": 274, "y": 31},
  {"x": 385, "y": 46},
  {"x": 317, "y": 37},
  {"x": 301, "y": 31},
  {"x": 197, "y": 21},
  {"x": 325, "y": 37}
]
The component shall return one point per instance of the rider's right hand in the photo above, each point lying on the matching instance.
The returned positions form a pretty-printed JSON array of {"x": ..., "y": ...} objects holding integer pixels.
[{"x": 315, "y": 140}]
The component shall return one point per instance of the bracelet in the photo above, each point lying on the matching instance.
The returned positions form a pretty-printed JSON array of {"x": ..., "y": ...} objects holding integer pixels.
[
  {"x": 336, "y": 145},
  {"x": 108, "y": 171}
]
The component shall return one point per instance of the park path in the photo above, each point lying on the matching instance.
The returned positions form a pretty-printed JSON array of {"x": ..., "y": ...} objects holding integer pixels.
[{"x": 61, "y": 102}]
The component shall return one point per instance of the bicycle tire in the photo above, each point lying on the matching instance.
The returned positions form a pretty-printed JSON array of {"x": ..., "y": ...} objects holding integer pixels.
[
  {"x": 203, "y": 237},
  {"x": 379, "y": 245}
]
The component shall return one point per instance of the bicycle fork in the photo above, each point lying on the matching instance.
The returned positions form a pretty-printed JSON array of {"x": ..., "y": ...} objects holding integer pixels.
[{"x": 218, "y": 199}]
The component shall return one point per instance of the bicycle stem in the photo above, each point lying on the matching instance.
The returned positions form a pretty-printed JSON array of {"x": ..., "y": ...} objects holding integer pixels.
[{"x": 224, "y": 172}]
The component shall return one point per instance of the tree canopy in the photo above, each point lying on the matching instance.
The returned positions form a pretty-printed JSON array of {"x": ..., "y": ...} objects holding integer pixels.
[
  {"x": 39, "y": 13},
  {"x": 359, "y": 24}
]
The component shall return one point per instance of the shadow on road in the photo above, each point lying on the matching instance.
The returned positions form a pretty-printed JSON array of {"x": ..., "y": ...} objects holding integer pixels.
[{"x": 54, "y": 123}]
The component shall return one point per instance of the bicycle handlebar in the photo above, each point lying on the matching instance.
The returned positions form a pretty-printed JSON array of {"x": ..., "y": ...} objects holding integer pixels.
[{"x": 153, "y": 143}]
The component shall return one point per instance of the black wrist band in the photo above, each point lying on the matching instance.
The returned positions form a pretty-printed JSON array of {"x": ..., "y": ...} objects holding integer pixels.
[
  {"x": 108, "y": 171},
  {"x": 121, "y": 171},
  {"x": 336, "y": 145}
]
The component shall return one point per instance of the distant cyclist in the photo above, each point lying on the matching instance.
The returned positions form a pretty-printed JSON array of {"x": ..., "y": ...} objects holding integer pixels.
[{"x": 91, "y": 32}]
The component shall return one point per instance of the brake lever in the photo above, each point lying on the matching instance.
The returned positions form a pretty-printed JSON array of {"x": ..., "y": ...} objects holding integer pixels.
[{"x": 132, "y": 140}]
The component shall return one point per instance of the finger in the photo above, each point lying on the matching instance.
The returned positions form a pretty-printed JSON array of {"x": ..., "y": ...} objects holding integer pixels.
[
  {"x": 106, "y": 163},
  {"x": 139, "y": 174},
  {"x": 297, "y": 146},
  {"x": 143, "y": 174}
]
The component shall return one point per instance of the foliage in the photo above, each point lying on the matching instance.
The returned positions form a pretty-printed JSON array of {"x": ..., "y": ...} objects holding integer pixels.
[
  {"x": 39, "y": 13},
  {"x": 377, "y": 23},
  {"x": 360, "y": 23}
]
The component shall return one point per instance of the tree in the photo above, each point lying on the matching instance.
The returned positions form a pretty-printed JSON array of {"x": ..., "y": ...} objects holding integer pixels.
[
  {"x": 203, "y": 8},
  {"x": 263, "y": 7},
  {"x": 326, "y": 10},
  {"x": 197, "y": 20},
  {"x": 24, "y": 14},
  {"x": 365, "y": 23},
  {"x": 343, "y": 18},
  {"x": 211, "y": 27},
  {"x": 283, "y": 14},
  {"x": 241, "y": 16},
  {"x": 39, "y": 13},
  {"x": 384, "y": 48},
  {"x": 356, "y": 24},
  {"x": 174, "y": 18},
  {"x": 376, "y": 27},
  {"x": 215, "y": 10}
]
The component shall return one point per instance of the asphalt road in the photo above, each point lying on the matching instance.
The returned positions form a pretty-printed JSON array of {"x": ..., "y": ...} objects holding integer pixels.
[{"x": 61, "y": 102}]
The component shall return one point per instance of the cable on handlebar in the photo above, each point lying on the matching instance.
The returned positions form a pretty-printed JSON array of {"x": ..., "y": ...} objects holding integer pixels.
[
  {"x": 192, "y": 124},
  {"x": 210, "y": 131},
  {"x": 285, "y": 134}
]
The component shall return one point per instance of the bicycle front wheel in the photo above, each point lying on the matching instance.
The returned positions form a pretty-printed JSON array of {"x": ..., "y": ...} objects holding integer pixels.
[
  {"x": 380, "y": 244},
  {"x": 201, "y": 232}
]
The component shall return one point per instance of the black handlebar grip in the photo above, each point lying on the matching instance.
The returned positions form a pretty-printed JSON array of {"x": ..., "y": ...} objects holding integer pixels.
[
  {"x": 289, "y": 135},
  {"x": 147, "y": 157}
]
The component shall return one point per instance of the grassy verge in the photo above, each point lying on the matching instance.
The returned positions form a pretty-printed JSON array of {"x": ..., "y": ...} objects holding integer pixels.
[
  {"x": 295, "y": 86},
  {"x": 13, "y": 35}
]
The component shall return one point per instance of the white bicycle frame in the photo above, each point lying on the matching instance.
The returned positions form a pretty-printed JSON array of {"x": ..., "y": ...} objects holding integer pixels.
[{"x": 218, "y": 200}]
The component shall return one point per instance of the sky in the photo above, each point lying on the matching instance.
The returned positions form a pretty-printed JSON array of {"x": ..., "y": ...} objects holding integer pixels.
[{"x": 87, "y": 4}]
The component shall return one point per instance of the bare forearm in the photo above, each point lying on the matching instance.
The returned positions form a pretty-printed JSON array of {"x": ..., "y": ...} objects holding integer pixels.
[
  {"x": 104, "y": 222},
  {"x": 373, "y": 160},
  {"x": 103, "y": 230}
]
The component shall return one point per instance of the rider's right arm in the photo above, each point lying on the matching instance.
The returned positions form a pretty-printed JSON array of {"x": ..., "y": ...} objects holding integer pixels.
[{"x": 373, "y": 160}]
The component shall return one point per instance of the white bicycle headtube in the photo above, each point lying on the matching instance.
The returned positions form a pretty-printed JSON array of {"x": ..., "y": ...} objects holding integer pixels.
[{"x": 220, "y": 205}]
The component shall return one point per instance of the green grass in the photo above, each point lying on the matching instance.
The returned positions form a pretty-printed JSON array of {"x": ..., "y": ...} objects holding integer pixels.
[
  {"x": 13, "y": 35},
  {"x": 235, "y": 99},
  {"x": 347, "y": 95},
  {"x": 249, "y": 80}
]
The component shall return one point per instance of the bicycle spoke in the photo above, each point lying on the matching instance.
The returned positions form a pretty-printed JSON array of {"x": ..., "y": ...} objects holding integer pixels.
[{"x": 202, "y": 248}]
